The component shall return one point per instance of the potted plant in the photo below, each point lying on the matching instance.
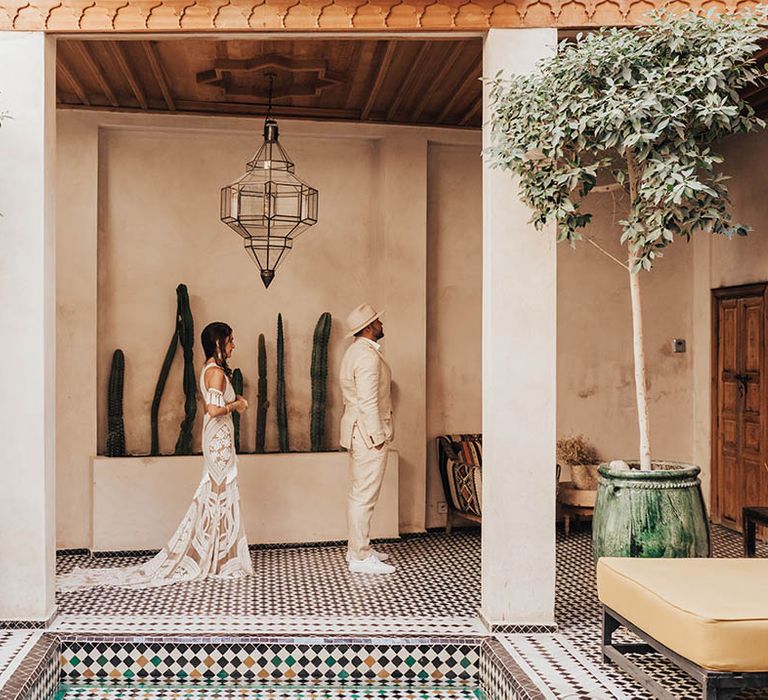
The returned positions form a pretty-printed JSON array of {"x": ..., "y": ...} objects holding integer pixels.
[
  {"x": 582, "y": 459},
  {"x": 635, "y": 112}
]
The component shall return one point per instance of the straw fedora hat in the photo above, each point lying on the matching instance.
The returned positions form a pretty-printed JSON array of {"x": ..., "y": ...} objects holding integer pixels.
[{"x": 360, "y": 317}]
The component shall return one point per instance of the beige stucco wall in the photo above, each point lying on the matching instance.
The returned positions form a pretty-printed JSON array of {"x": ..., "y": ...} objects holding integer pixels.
[
  {"x": 139, "y": 502},
  {"x": 596, "y": 394},
  {"x": 454, "y": 303},
  {"x": 156, "y": 180},
  {"x": 723, "y": 263}
]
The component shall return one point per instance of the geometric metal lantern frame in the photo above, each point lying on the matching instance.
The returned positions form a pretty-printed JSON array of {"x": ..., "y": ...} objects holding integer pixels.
[{"x": 269, "y": 206}]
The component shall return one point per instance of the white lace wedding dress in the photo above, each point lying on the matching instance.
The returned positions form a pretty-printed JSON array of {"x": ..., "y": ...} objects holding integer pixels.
[{"x": 210, "y": 541}]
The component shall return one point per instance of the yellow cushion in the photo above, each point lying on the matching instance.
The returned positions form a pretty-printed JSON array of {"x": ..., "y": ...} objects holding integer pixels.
[{"x": 711, "y": 611}]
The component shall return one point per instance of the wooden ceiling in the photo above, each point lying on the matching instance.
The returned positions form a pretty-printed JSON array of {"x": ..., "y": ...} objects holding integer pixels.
[{"x": 398, "y": 81}]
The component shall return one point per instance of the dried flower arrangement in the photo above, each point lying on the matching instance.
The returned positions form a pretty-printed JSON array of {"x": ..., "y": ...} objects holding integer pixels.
[{"x": 576, "y": 450}]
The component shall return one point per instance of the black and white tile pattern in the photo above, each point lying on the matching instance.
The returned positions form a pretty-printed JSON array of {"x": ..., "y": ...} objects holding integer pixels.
[
  {"x": 269, "y": 692},
  {"x": 435, "y": 593},
  {"x": 578, "y": 614},
  {"x": 14, "y": 645},
  {"x": 438, "y": 576}
]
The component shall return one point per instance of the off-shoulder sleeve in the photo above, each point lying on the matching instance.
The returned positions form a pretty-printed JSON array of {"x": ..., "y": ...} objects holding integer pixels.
[{"x": 214, "y": 397}]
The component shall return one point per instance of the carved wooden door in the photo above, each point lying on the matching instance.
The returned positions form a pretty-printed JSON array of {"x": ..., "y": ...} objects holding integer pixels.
[{"x": 740, "y": 474}]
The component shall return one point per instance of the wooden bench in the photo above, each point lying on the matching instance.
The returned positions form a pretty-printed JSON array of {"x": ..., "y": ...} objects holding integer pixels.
[{"x": 707, "y": 616}]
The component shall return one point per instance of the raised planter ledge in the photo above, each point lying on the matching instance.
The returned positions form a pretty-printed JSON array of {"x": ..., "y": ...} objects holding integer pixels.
[{"x": 285, "y": 498}]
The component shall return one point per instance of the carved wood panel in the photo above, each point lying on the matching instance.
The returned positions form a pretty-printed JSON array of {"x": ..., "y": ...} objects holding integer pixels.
[{"x": 740, "y": 477}]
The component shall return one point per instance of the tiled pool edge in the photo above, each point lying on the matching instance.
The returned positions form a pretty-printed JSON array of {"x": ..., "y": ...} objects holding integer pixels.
[
  {"x": 269, "y": 658},
  {"x": 38, "y": 673},
  {"x": 57, "y": 658}
]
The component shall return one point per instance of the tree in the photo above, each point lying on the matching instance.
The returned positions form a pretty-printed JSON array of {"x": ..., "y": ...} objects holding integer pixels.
[{"x": 638, "y": 111}]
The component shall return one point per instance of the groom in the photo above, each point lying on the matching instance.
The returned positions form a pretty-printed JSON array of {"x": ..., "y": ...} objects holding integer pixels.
[{"x": 366, "y": 430}]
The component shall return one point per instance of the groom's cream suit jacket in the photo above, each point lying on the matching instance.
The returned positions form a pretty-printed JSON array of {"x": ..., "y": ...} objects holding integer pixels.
[{"x": 366, "y": 387}]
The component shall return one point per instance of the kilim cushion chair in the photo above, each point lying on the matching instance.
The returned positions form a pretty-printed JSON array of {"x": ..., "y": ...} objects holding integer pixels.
[{"x": 460, "y": 457}]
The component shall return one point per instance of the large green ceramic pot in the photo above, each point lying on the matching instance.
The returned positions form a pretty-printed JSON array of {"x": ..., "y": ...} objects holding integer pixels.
[{"x": 657, "y": 513}]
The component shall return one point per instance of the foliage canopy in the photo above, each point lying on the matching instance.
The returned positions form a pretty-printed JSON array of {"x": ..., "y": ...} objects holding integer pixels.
[{"x": 636, "y": 110}]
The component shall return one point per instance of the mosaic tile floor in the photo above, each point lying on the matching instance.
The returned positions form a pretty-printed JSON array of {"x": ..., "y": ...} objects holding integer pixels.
[
  {"x": 435, "y": 592},
  {"x": 266, "y": 692},
  {"x": 14, "y": 644},
  {"x": 438, "y": 576},
  {"x": 578, "y": 615}
]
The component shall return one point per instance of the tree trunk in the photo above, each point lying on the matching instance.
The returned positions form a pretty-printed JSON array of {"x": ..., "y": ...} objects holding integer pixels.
[
  {"x": 637, "y": 332},
  {"x": 639, "y": 355}
]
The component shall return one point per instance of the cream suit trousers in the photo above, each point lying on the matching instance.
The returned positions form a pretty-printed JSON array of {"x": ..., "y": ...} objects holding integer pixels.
[{"x": 366, "y": 474}]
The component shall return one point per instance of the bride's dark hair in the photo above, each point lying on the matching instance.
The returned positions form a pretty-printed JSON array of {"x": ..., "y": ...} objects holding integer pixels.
[{"x": 214, "y": 337}]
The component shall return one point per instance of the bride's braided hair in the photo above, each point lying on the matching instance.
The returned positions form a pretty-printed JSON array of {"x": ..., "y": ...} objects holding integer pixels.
[{"x": 214, "y": 338}]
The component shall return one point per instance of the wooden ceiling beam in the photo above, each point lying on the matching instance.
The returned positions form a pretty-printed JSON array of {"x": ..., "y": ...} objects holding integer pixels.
[
  {"x": 410, "y": 82},
  {"x": 373, "y": 93},
  {"x": 260, "y": 110},
  {"x": 150, "y": 49},
  {"x": 85, "y": 53},
  {"x": 470, "y": 114},
  {"x": 439, "y": 80},
  {"x": 122, "y": 61},
  {"x": 467, "y": 81},
  {"x": 72, "y": 80}
]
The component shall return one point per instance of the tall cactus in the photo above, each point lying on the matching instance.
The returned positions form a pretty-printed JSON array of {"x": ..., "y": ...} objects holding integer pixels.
[
  {"x": 184, "y": 332},
  {"x": 319, "y": 375},
  {"x": 159, "y": 388},
  {"x": 237, "y": 385},
  {"x": 262, "y": 402},
  {"x": 186, "y": 329},
  {"x": 282, "y": 407},
  {"x": 115, "y": 425}
]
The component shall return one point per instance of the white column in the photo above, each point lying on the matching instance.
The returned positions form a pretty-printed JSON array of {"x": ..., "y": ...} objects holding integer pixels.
[
  {"x": 28, "y": 326},
  {"x": 77, "y": 161},
  {"x": 519, "y": 362}
]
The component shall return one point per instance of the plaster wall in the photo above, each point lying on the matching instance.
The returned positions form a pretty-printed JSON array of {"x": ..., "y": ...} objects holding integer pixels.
[
  {"x": 156, "y": 180},
  {"x": 454, "y": 303},
  {"x": 596, "y": 386},
  {"x": 284, "y": 498},
  {"x": 724, "y": 263}
]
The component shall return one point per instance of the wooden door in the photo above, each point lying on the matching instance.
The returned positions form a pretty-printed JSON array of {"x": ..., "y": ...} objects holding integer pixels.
[{"x": 740, "y": 416}]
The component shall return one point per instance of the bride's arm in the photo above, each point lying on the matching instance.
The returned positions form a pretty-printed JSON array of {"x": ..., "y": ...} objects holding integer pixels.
[{"x": 215, "y": 383}]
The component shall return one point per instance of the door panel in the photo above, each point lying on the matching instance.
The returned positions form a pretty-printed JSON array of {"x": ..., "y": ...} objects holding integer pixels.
[{"x": 739, "y": 428}]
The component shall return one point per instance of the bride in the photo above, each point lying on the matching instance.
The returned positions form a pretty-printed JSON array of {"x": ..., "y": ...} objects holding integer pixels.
[{"x": 210, "y": 540}]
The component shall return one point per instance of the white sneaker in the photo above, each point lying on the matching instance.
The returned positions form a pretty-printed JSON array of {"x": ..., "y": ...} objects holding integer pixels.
[
  {"x": 381, "y": 556},
  {"x": 371, "y": 565}
]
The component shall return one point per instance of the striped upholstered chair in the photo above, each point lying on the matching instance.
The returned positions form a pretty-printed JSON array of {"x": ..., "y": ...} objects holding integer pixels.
[{"x": 460, "y": 458}]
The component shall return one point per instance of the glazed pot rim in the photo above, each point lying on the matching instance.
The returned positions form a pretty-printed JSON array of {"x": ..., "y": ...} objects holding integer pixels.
[{"x": 680, "y": 470}]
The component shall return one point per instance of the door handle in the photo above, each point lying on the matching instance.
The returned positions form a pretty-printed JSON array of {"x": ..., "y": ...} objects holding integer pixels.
[{"x": 742, "y": 379}]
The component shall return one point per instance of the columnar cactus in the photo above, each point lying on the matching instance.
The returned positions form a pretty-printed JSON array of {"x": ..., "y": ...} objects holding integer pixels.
[
  {"x": 159, "y": 388},
  {"x": 186, "y": 330},
  {"x": 319, "y": 375},
  {"x": 115, "y": 425},
  {"x": 282, "y": 408},
  {"x": 237, "y": 385},
  {"x": 262, "y": 402}
]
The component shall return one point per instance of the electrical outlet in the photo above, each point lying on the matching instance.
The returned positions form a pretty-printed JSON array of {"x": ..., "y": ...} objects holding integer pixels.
[
  {"x": 442, "y": 507},
  {"x": 678, "y": 345}
]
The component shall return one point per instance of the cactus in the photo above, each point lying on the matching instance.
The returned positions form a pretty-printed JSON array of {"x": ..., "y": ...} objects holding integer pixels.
[
  {"x": 262, "y": 402},
  {"x": 319, "y": 375},
  {"x": 159, "y": 387},
  {"x": 282, "y": 408},
  {"x": 115, "y": 426},
  {"x": 186, "y": 331},
  {"x": 237, "y": 385}
]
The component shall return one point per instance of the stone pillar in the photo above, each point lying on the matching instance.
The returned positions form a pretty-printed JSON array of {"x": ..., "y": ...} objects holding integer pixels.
[
  {"x": 519, "y": 383},
  {"x": 77, "y": 161},
  {"x": 28, "y": 326}
]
